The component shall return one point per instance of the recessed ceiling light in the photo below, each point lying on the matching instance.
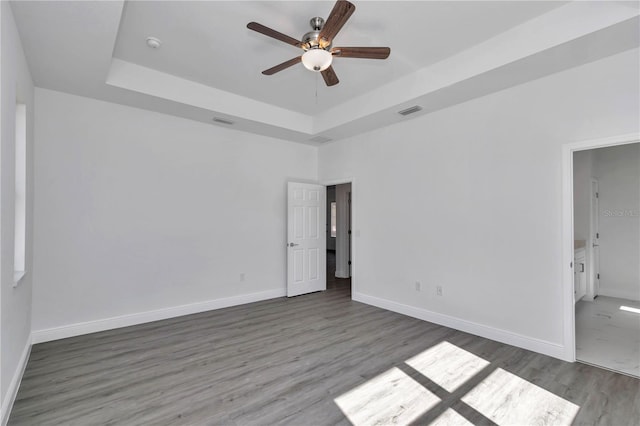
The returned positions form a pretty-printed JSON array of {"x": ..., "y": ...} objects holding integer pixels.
[{"x": 153, "y": 42}]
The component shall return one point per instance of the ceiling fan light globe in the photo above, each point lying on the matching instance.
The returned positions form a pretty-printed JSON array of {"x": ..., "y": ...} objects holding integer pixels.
[{"x": 317, "y": 60}]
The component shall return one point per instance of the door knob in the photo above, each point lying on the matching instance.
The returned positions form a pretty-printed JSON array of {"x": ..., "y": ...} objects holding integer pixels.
[{"x": 293, "y": 244}]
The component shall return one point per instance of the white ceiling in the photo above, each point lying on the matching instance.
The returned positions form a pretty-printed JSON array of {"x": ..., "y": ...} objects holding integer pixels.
[
  {"x": 210, "y": 64},
  {"x": 208, "y": 42}
]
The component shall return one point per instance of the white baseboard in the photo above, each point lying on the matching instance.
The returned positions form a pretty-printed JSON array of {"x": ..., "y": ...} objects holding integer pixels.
[
  {"x": 46, "y": 335},
  {"x": 14, "y": 385},
  {"x": 619, "y": 294},
  {"x": 342, "y": 274},
  {"x": 541, "y": 346}
]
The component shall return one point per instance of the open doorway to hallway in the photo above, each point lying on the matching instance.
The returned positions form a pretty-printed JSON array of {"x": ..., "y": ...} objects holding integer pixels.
[
  {"x": 606, "y": 209},
  {"x": 339, "y": 237}
]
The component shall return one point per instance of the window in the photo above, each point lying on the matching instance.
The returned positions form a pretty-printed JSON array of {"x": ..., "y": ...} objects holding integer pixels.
[
  {"x": 334, "y": 227},
  {"x": 20, "y": 220}
]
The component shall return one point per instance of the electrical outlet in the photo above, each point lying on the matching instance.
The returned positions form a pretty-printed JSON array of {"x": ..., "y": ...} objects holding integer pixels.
[
  {"x": 418, "y": 286},
  {"x": 242, "y": 276},
  {"x": 439, "y": 290}
]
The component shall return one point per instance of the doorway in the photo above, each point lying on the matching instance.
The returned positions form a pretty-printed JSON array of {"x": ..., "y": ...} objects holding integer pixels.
[
  {"x": 339, "y": 244},
  {"x": 605, "y": 257}
]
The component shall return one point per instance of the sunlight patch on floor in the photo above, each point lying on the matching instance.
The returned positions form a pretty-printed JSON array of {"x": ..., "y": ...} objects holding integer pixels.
[
  {"x": 447, "y": 365},
  {"x": 389, "y": 398},
  {"x": 630, "y": 309},
  {"x": 450, "y": 417},
  {"x": 393, "y": 397},
  {"x": 507, "y": 399}
]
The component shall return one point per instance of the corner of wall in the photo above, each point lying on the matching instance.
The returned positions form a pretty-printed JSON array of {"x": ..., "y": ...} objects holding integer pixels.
[
  {"x": 14, "y": 385},
  {"x": 16, "y": 301}
]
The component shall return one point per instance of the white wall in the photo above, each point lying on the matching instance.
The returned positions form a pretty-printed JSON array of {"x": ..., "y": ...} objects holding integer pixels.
[
  {"x": 618, "y": 172},
  {"x": 139, "y": 211},
  {"x": 582, "y": 174},
  {"x": 473, "y": 201},
  {"x": 15, "y": 319}
]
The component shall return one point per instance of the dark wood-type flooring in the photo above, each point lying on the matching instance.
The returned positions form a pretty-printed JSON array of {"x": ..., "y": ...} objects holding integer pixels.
[{"x": 281, "y": 361}]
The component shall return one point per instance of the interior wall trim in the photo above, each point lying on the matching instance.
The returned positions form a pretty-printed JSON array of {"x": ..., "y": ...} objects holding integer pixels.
[
  {"x": 620, "y": 294},
  {"x": 568, "y": 251},
  {"x": 14, "y": 385},
  {"x": 62, "y": 332},
  {"x": 503, "y": 336}
]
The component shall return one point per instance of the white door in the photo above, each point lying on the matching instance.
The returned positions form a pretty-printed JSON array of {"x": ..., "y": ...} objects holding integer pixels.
[
  {"x": 594, "y": 270},
  {"x": 306, "y": 238}
]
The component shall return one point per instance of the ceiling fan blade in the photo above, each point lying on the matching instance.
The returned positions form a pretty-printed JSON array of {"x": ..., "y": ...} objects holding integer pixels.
[
  {"x": 282, "y": 66},
  {"x": 330, "y": 77},
  {"x": 362, "y": 52},
  {"x": 339, "y": 15},
  {"x": 273, "y": 33}
]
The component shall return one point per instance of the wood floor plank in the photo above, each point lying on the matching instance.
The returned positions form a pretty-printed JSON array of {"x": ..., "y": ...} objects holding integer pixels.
[{"x": 281, "y": 361}]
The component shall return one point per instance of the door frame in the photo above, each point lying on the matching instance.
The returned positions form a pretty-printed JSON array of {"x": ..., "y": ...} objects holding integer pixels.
[
  {"x": 567, "y": 248},
  {"x": 593, "y": 266},
  {"x": 352, "y": 181}
]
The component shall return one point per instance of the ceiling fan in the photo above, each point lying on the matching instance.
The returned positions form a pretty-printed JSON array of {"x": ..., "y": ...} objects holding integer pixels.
[{"x": 317, "y": 44}]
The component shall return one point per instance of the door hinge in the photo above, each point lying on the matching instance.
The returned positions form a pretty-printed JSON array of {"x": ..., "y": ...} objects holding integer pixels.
[
  {"x": 349, "y": 263},
  {"x": 597, "y": 235},
  {"x": 597, "y": 195},
  {"x": 349, "y": 231},
  {"x": 598, "y": 276}
]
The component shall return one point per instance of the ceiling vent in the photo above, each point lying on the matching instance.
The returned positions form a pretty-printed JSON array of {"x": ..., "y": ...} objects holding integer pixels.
[
  {"x": 222, "y": 121},
  {"x": 320, "y": 139},
  {"x": 410, "y": 110}
]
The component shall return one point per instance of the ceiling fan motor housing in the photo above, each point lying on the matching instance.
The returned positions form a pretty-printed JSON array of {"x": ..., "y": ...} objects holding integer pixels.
[{"x": 312, "y": 40}]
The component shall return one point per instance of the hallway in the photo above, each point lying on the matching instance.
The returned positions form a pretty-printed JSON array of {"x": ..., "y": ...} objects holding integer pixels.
[{"x": 332, "y": 281}]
